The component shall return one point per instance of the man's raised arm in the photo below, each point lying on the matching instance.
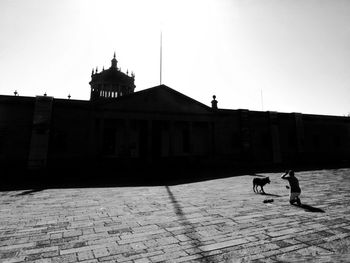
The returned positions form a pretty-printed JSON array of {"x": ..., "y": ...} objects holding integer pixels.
[{"x": 284, "y": 175}]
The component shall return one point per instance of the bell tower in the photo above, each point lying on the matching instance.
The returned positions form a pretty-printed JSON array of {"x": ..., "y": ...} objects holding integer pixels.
[{"x": 111, "y": 83}]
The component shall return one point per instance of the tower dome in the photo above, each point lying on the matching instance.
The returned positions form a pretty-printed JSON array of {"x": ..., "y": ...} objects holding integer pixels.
[{"x": 111, "y": 83}]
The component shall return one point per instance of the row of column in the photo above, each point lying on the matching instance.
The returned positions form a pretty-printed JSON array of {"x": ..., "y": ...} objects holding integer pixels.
[
  {"x": 110, "y": 94},
  {"x": 150, "y": 133},
  {"x": 171, "y": 150}
]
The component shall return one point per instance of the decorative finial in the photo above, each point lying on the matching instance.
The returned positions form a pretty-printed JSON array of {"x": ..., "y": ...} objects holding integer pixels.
[
  {"x": 214, "y": 103},
  {"x": 92, "y": 73},
  {"x": 69, "y": 96},
  {"x": 16, "y": 93},
  {"x": 114, "y": 62},
  {"x": 127, "y": 72},
  {"x": 103, "y": 68},
  {"x": 45, "y": 94},
  {"x": 96, "y": 69}
]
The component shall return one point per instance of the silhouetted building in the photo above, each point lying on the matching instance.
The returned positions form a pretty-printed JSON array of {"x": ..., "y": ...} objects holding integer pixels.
[{"x": 159, "y": 127}]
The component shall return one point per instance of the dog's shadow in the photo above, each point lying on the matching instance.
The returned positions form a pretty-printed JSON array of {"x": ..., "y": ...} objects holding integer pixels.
[
  {"x": 28, "y": 192},
  {"x": 257, "y": 175}
]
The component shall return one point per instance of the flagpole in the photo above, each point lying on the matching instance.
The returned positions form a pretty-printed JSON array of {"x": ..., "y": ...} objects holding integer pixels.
[{"x": 161, "y": 58}]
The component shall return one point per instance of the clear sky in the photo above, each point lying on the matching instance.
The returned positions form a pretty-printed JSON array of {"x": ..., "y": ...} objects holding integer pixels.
[{"x": 277, "y": 55}]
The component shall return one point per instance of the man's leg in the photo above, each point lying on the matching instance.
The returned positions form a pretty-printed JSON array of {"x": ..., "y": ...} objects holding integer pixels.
[
  {"x": 298, "y": 199},
  {"x": 292, "y": 198}
]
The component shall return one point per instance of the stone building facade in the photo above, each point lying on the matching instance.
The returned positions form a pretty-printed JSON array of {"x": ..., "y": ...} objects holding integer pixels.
[{"x": 159, "y": 127}]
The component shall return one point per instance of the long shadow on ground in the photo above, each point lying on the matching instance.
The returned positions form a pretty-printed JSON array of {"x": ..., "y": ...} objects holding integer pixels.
[
  {"x": 110, "y": 178},
  {"x": 270, "y": 194},
  {"x": 310, "y": 208},
  {"x": 189, "y": 229}
]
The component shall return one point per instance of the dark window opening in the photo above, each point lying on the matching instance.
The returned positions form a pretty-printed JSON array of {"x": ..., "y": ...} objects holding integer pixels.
[
  {"x": 59, "y": 141},
  {"x": 109, "y": 141},
  {"x": 265, "y": 139},
  {"x": 1, "y": 144},
  {"x": 235, "y": 140},
  {"x": 316, "y": 141},
  {"x": 292, "y": 139},
  {"x": 41, "y": 128},
  {"x": 186, "y": 140},
  {"x": 336, "y": 141}
]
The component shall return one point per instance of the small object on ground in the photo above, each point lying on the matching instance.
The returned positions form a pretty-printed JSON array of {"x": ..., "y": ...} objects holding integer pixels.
[{"x": 268, "y": 201}]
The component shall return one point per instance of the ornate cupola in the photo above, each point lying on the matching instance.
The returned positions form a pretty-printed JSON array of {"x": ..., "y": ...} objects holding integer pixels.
[{"x": 111, "y": 83}]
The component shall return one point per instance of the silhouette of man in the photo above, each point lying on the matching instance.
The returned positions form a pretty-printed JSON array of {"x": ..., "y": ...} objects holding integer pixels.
[{"x": 293, "y": 186}]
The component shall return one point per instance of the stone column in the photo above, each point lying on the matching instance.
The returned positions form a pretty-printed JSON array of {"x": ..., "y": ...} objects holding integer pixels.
[
  {"x": 149, "y": 141},
  {"x": 244, "y": 123},
  {"x": 127, "y": 136},
  {"x": 299, "y": 131},
  {"x": 190, "y": 138},
  {"x": 212, "y": 138},
  {"x": 100, "y": 135},
  {"x": 92, "y": 128},
  {"x": 39, "y": 143},
  {"x": 275, "y": 139},
  {"x": 171, "y": 138}
]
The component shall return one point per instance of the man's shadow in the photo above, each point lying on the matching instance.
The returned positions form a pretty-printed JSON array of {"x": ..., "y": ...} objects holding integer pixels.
[{"x": 310, "y": 208}]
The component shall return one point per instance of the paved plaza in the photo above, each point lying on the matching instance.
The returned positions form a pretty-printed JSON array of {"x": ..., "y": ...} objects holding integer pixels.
[{"x": 219, "y": 220}]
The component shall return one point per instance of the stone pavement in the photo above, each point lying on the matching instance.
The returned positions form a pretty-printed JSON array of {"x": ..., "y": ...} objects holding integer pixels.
[{"x": 220, "y": 220}]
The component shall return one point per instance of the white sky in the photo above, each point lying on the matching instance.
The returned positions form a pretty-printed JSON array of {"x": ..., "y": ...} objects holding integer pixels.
[{"x": 295, "y": 53}]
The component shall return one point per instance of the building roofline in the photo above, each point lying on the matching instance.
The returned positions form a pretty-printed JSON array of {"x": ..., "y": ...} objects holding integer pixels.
[{"x": 162, "y": 86}]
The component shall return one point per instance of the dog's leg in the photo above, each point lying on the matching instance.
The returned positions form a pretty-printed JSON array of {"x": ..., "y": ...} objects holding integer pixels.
[
  {"x": 262, "y": 190},
  {"x": 254, "y": 188}
]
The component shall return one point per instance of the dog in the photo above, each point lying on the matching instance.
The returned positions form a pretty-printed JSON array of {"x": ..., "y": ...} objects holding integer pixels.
[{"x": 260, "y": 182}]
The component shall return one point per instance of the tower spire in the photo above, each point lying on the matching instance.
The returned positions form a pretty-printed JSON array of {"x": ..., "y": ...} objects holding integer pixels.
[{"x": 114, "y": 62}]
